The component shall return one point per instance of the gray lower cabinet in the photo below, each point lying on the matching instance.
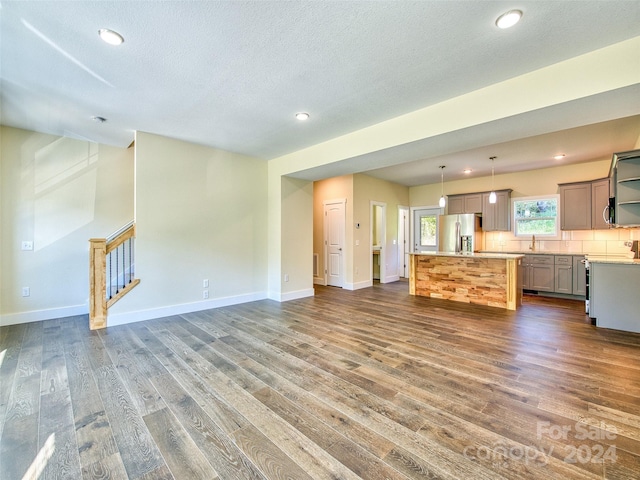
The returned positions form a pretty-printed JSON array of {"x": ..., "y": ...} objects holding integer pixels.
[
  {"x": 614, "y": 299},
  {"x": 554, "y": 273},
  {"x": 539, "y": 273},
  {"x": 563, "y": 274},
  {"x": 579, "y": 275}
]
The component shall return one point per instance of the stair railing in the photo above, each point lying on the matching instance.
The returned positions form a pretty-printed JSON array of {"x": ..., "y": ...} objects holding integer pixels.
[{"x": 111, "y": 272}]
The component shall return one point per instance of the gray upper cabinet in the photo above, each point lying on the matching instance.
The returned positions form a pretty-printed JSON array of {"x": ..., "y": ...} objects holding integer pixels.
[
  {"x": 473, "y": 203},
  {"x": 455, "y": 204},
  {"x": 575, "y": 206},
  {"x": 626, "y": 177},
  {"x": 599, "y": 202},
  {"x": 582, "y": 205},
  {"x": 468, "y": 203},
  {"x": 496, "y": 217}
]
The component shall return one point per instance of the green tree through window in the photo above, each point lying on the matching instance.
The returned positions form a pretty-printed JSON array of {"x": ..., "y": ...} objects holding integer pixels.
[
  {"x": 536, "y": 216},
  {"x": 428, "y": 230}
]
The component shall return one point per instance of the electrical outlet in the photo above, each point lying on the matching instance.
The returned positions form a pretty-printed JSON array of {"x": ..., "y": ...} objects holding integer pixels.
[
  {"x": 26, "y": 291},
  {"x": 205, "y": 294},
  {"x": 27, "y": 245},
  {"x": 205, "y": 283}
]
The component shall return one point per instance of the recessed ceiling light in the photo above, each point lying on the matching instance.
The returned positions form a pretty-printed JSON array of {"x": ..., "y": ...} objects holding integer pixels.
[
  {"x": 302, "y": 115},
  {"x": 110, "y": 37},
  {"x": 98, "y": 119},
  {"x": 559, "y": 157},
  {"x": 509, "y": 19},
  {"x": 467, "y": 171}
]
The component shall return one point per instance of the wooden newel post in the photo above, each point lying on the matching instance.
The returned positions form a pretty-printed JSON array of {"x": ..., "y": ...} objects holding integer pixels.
[{"x": 97, "y": 283}]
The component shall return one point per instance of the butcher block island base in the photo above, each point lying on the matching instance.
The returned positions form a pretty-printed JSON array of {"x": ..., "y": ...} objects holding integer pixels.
[{"x": 478, "y": 278}]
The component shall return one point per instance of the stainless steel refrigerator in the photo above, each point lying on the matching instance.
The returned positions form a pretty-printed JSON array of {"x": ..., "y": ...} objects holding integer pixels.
[{"x": 460, "y": 233}]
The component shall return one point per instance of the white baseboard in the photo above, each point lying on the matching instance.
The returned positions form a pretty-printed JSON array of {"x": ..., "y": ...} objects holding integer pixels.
[
  {"x": 358, "y": 285},
  {"x": 40, "y": 315},
  {"x": 167, "y": 311},
  {"x": 115, "y": 319},
  {"x": 319, "y": 281},
  {"x": 285, "y": 297}
]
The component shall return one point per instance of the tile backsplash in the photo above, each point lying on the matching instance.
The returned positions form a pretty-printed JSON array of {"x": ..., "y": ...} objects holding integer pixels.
[{"x": 610, "y": 242}]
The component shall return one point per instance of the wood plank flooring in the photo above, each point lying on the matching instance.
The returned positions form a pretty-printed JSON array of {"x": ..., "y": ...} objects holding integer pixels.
[{"x": 372, "y": 384}]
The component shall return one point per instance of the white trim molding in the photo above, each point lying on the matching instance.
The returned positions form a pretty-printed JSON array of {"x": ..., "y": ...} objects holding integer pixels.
[{"x": 40, "y": 315}]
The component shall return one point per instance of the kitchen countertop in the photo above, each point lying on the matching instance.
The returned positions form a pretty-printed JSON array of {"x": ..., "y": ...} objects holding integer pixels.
[
  {"x": 473, "y": 255},
  {"x": 593, "y": 257},
  {"x": 537, "y": 252}
]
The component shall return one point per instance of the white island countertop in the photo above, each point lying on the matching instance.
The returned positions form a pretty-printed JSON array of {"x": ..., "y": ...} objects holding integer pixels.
[{"x": 472, "y": 255}]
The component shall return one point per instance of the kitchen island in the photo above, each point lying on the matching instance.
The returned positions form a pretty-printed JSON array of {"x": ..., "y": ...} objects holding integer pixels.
[
  {"x": 492, "y": 279},
  {"x": 614, "y": 292}
]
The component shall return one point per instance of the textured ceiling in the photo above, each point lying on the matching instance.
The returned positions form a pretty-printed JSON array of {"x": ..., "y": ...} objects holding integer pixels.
[{"x": 232, "y": 74}]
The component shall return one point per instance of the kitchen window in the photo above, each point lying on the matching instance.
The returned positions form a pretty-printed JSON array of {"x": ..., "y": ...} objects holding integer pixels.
[{"x": 537, "y": 216}]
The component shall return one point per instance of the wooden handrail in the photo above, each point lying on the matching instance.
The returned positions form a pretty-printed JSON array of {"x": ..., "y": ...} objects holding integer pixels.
[{"x": 99, "y": 248}]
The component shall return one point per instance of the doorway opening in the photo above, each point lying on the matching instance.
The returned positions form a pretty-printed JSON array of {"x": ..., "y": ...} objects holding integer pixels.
[{"x": 378, "y": 241}]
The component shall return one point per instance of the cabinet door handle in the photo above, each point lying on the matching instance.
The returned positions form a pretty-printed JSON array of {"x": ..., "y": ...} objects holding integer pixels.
[{"x": 606, "y": 217}]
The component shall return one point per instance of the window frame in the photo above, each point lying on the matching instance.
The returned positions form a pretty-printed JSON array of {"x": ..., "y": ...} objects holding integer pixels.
[{"x": 558, "y": 233}]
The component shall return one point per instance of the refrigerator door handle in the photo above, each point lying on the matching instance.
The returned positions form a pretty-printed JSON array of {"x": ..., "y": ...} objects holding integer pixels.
[{"x": 458, "y": 238}]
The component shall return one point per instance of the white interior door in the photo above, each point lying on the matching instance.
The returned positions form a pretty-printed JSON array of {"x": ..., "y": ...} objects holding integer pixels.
[
  {"x": 334, "y": 239},
  {"x": 425, "y": 229}
]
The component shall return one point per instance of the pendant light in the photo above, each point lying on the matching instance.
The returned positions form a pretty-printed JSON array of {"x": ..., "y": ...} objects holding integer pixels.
[
  {"x": 442, "y": 201},
  {"x": 492, "y": 196}
]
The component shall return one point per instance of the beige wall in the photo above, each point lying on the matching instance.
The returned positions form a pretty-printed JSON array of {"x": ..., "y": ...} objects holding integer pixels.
[
  {"x": 57, "y": 192},
  {"x": 533, "y": 182},
  {"x": 360, "y": 190},
  {"x": 296, "y": 280},
  {"x": 367, "y": 189},
  {"x": 332, "y": 189},
  {"x": 200, "y": 214}
]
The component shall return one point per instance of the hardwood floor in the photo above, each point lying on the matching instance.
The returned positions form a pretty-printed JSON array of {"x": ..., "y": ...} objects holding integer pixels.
[{"x": 373, "y": 384}]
